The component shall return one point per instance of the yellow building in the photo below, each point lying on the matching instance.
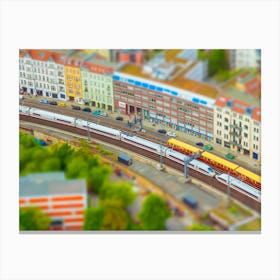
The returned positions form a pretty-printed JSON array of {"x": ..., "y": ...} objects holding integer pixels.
[{"x": 72, "y": 74}]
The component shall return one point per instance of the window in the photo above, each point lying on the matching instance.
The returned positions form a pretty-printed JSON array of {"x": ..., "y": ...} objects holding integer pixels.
[{"x": 246, "y": 135}]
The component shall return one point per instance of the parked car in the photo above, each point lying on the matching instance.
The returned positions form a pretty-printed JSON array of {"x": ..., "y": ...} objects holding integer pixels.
[
  {"x": 125, "y": 159},
  {"x": 74, "y": 107},
  {"x": 172, "y": 134},
  {"x": 61, "y": 104},
  {"x": 208, "y": 147},
  {"x": 163, "y": 131},
  {"x": 86, "y": 109},
  {"x": 53, "y": 103},
  {"x": 229, "y": 156},
  {"x": 44, "y": 101},
  {"x": 103, "y": 114},
  {"x": 119, "y": 118},
  {"x": 190, "y": 201},
  {"x": 97, "y": 112},
  {"x": 200, "y": 144}
]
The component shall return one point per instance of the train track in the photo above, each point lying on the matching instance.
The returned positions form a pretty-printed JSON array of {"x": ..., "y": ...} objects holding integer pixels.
[{"x": 208, "y": 180}]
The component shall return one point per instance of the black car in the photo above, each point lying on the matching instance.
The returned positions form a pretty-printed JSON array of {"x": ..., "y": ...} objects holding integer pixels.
[
  {"x": 86, "y": 109},
  {"x": 53, "y": 103},
  {"x": 200, "y": 144},
  {"x": 76, "y": 107},
  {"x": 119, "y": 118},
  {"x": 163, "y": 131}
]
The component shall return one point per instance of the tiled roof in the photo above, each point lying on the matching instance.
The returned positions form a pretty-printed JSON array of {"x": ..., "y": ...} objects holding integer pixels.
[
  {"x": 222, "y": 100},
  {"x": 256, "y": 115},
  {"x": 42, "y": 55}
]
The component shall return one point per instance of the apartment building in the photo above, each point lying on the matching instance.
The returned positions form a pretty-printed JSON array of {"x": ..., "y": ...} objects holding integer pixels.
[
  {"x": 97, "y": 83},
  {"x": 61, "y": 199},
  {"x": 242, "y": 58},
  {"x": 237, "y": 124},
  {"x": 163, "y": 95},
  {"x": 40, "y": 73}
]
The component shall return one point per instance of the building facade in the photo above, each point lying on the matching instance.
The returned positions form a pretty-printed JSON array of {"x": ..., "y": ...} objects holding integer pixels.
[
  {"x": 64, "y": 201},
  {"x": 163, "y": 103},
  {"x": 40, "y": 73},
  {"x": 237, "y": 126},
  {"x": 97, "y": 83},
  {"x": 242, "y": 58}
]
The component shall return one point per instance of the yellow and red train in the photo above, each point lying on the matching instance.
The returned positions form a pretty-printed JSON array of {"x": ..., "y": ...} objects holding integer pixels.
[{"x": 230, "y": 167}]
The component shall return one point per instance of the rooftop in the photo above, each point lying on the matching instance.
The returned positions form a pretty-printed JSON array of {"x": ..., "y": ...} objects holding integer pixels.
[
  {"x": 178, "y": 82},
  {"x": 53, "y": 183}
]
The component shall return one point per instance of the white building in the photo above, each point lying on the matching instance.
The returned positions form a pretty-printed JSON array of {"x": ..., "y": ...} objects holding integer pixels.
[
  {"x": 237, "y": 126},
  {"x": 241, "y": 58},
  {"x": 42, "y": 73}
]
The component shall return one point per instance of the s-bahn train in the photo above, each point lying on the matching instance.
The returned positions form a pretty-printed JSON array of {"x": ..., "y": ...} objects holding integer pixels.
[
  {"x": 218, "y": 162},
  {"x": 171, "y": 152}
]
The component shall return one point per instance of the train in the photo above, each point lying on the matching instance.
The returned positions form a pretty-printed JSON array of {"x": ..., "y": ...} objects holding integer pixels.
[
  {"x": 216, "y": 161},
  {"x": 171, "y": 151}
]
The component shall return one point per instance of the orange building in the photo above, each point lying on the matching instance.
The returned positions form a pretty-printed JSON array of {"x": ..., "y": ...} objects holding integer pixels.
[
  {"x": 72, "y": 75},
  {"x": 63, "y": 200}
]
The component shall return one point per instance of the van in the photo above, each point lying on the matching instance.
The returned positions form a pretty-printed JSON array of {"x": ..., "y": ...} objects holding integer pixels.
[{"x": 190, "y": 201}]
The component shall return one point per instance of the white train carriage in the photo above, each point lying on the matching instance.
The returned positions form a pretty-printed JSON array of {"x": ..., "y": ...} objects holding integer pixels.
[
  {"x": 142, "y": 143},
  {"x": 176, "y": 156},
  {"x": 194, "y": 164},
  {"x": 106, "y": 131},
  {"x": 24, "y": 109},
  {"x": 81, "y": 123},
  {"x": 52, "y": 116},
  {"x": 201, "y": 167},
  {"x": 239, "y": 186}
]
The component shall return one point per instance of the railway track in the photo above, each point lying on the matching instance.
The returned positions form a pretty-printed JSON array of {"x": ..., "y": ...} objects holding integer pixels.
[{"x": 211, "y": 181}]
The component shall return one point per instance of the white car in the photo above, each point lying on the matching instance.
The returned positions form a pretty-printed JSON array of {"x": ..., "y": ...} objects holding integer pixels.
[{"x": 172, "y": 134}]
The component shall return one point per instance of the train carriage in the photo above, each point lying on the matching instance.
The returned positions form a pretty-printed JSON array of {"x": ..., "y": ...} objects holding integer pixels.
[
  {"x": 182, "y": 147},
  {"x": 219, "y": 162},
  {"x": 249, "y": 177}
]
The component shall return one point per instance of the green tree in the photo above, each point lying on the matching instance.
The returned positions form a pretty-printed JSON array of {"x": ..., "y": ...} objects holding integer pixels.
[
  {"x": 115, "y": 216},
  {"x": 197, "y": 227},
  {"x": 32, "y": 218},
  {"x": 76, "y": 167},
  {"x": 63, "y": 152},
  {"x": 51, "y": 164},
  {"x": 121, "y": 191},
  {"x": 94, "y": 218},
  {"x": 154, "y": 213},
  {"x": 108, "y": 215},
  {"x": 217, "y": 62},
  {"x": 97, "y": 176}
]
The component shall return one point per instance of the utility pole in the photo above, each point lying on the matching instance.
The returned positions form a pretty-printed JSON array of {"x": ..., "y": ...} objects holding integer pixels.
[
  {"x": 228, "y": 191},
  {"x": 187, "y": 160},
  {"x": 160, "y": 164},
  {"x": 88, "y": 133}
]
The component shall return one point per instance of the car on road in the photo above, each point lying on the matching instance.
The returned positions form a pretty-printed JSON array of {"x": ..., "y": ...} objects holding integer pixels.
[
  {"x": 190, "y": 201},
  {"x": 74, "y": 107},
  {"x": 53, "y": 103},
  {"x": 229, "y": 156},
  {"x": 103, "y": 114},
  {"x": 44, "y": 101},
  {"x": 119, "y": 118},
  {"x": 163, "y": 131},
  {"x": 171, "y": 134},
  {"x": 208, "y": 147},
  {"x": 97, "y": 112},
  {"x": 200, "y": 144},
  {"x": 61, "y": 104},
  {"x": 86, "y": 109}
]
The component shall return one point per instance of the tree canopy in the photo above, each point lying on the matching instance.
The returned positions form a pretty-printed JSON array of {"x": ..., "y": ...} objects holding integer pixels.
[
  {"x": 154, "y": 213},
  {"x": 32, "y": 218}
]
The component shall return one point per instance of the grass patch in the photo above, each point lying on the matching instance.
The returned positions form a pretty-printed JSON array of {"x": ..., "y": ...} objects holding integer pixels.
[{"x": 253, "y": 225}]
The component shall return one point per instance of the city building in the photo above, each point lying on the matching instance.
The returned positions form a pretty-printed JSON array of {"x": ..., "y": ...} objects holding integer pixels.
[
  {"x": 237, "y": 123},
  {"x": 242, "y": 58},
  {"x": 61, "y": 199},
  {"x": 72, "y": 74},
  {"x": 40, "y": 73},
  {"x": 105, "y": 53},
  {"x": 130, "y": 55},
  {"x": 163, "y": 95},
  {"x": 97, "y": 83}
]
